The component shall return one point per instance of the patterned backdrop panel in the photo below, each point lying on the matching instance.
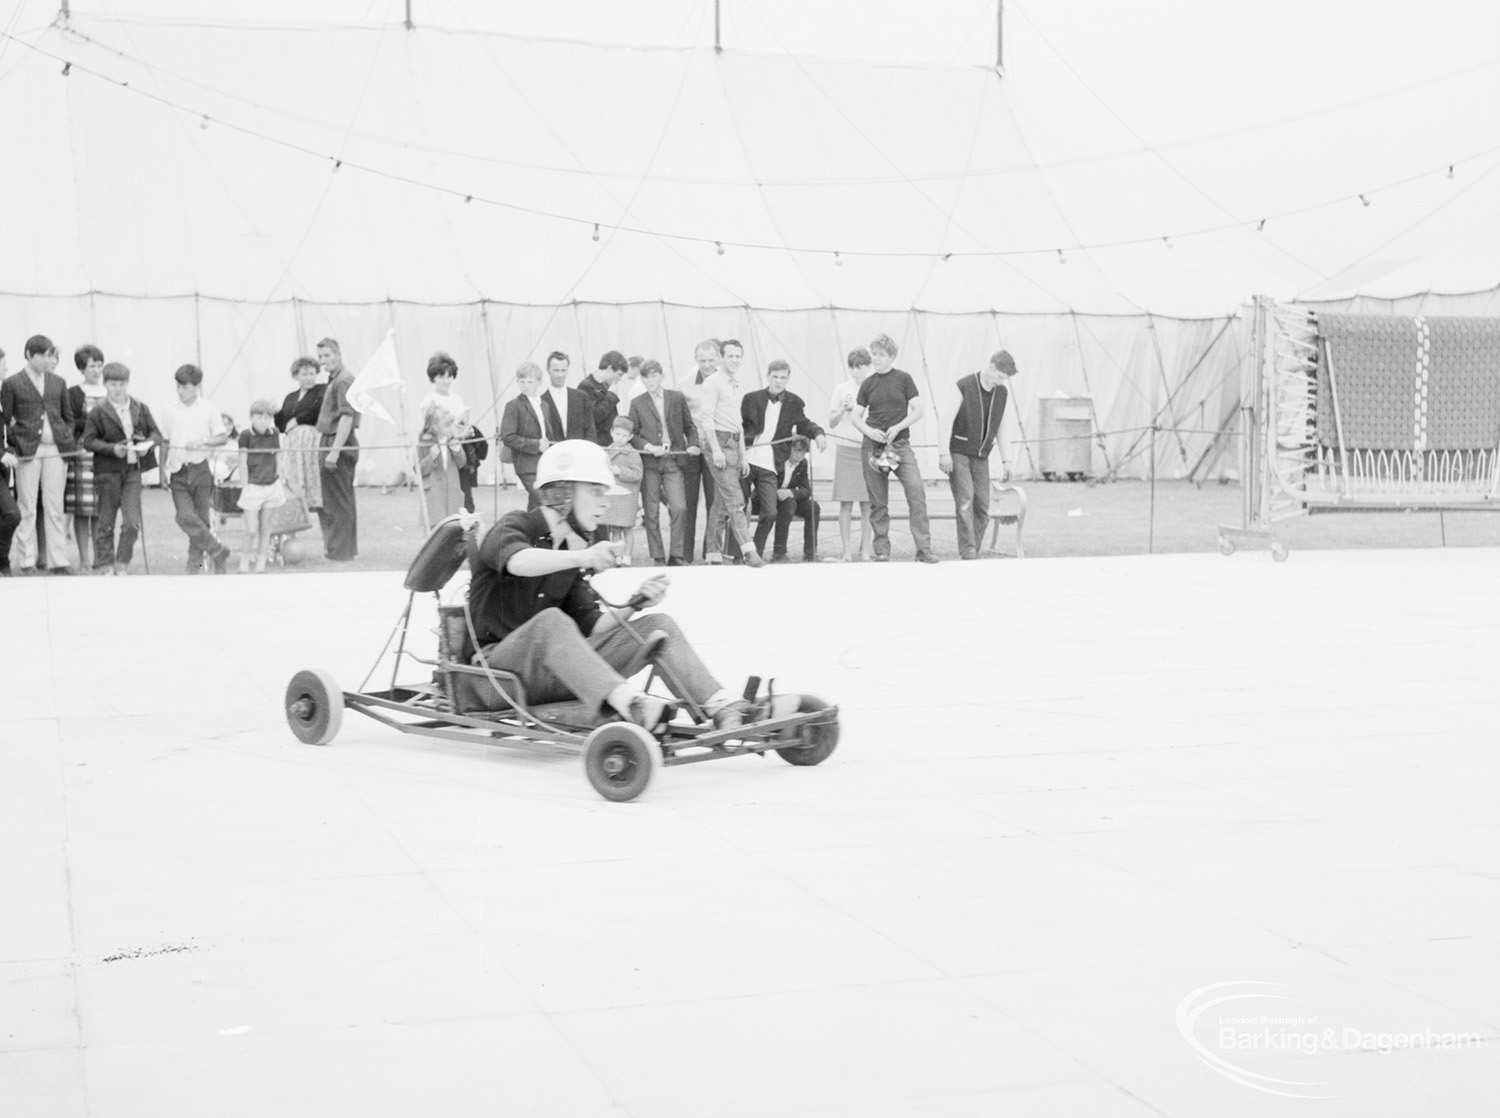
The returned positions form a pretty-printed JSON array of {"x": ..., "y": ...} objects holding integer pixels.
[{"x": 1409, "y": 383}]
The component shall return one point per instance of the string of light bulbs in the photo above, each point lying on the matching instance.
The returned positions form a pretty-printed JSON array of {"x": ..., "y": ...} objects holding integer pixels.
[{"x": 722, "y": 245}]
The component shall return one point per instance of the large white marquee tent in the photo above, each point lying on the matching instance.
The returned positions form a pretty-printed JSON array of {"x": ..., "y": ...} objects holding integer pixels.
[{"x": 225, "y": 184}]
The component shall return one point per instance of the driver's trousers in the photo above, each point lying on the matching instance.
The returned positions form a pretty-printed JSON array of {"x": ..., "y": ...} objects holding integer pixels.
[{"x": 555, "y": 661}]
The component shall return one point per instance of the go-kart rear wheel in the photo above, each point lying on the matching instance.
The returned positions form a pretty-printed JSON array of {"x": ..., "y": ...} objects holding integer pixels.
[
  {"x": 621, "y": 759},
  {"x": 816, "y": 740},
  {"x": 314, "y": 706}
]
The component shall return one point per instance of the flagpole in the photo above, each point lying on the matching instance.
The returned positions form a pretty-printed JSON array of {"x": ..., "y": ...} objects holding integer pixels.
[{"x": 414, "y": 463}]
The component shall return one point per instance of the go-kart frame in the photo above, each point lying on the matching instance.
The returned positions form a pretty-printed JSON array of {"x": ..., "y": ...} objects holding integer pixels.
[{"x": 620, "y": 758}]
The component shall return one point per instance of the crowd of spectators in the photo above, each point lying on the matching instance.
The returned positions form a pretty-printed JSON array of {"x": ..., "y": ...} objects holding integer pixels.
[{"x": 83, "y": 451}]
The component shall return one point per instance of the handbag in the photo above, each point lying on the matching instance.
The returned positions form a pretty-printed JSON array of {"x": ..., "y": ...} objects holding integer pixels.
[{"x": 290, "y": 517}]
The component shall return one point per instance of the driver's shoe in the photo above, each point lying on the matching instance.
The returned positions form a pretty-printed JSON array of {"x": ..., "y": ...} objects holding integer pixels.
[{"x": 650, "y": 711}]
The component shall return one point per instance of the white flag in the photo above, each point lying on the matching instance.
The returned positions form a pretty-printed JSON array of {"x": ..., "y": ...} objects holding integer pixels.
[{"x": 379, "y": 372}]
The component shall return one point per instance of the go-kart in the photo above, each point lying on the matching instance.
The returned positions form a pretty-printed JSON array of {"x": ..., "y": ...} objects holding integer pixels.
[{"x": 467, "y": 700}]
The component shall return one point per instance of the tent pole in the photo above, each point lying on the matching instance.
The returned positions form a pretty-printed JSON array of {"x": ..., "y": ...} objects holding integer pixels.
[
  {"x": 718, "y": 45},
  {"x": 1000, "y": 37},
  {"x": 489, "y": 360},
  {"x": 409, "y": 24}
]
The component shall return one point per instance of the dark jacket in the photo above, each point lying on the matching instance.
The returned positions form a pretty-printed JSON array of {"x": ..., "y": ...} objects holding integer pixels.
[
  {"x": 604, "y": 405},
  {"x": 102, "y": 432},
  {"x": 971, "y": 435},
  {"x": 679, "y": 435},
  {"x": 793, "y": 421},
  {"x": 800, "y": 483},
  {"x": 580, "y": 422},
  {"x": 78, "y": 404},
  {"x": 305, "y": 411},
  {"x": 24, "y": 409},
  {"x": 521, "y": 434}
]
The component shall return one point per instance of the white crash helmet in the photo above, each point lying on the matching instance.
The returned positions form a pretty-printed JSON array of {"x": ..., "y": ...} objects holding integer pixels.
[{"x": 577, "y": 460}]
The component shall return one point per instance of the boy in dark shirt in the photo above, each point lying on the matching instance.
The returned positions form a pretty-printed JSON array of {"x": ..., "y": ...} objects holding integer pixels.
[
  {"x": 887, "y": 407},
  {"x": 537, "y": 617},
  {"x": 262, "y": 490}
]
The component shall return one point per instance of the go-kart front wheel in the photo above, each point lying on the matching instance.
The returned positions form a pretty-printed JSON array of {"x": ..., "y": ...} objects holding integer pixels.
[
  {"x": 314, "y": 707},
  {"x": 620, "y": 759},
  {"x": 815, "y": 739}
]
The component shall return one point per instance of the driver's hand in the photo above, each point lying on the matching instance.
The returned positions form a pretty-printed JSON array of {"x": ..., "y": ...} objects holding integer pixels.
[
  {"x": 467, "y": 520},
  {"x": 654, "y": 589},
  {"x": 599, "y": 557}
]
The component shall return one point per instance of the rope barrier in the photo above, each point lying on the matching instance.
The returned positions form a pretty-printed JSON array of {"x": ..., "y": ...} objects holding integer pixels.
[{"x": 232, "y": 449}]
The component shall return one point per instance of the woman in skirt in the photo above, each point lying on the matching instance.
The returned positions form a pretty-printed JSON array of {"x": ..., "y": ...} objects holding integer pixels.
[
  {"x": 848, "y": 467},
  {"x": 298, "y": 421}
]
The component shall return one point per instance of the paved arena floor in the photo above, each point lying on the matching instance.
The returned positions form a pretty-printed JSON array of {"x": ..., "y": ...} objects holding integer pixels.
[{"x": 1180, "y": 835}]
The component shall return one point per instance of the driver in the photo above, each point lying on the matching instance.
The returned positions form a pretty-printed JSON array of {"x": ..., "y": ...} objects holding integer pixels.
[{"x": 537, "y": 617}]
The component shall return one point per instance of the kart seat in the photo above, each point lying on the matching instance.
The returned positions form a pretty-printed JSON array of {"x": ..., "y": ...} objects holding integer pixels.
[{"x": 439, "y": 558}]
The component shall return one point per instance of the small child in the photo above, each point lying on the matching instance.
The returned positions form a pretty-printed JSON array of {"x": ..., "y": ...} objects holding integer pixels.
[
  {"x": 262, "y": 489},
  {"x": 625, "y": 464},
  {"x": 440, "y": 457}
]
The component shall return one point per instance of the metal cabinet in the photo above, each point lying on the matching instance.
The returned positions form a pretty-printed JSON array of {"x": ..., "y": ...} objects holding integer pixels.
[{"x": 1066, "y": 431}]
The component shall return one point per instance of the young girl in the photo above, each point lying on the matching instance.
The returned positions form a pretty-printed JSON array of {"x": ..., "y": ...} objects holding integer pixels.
[
  {"x": 440, "y": 456},
  {"x": 262, "y": 490},
  {"x": 625, "y": 464},
  {"x": 848, "y": 466}
]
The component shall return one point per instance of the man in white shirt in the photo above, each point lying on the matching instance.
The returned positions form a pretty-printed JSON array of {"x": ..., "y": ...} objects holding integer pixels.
[
  {"x": 191, "y": 428},
  {"x": 629, "y": 386},
  {"x": 567, "y": 409},
  {"x": 772, "y": 415},
  {"x": 724, "y": 437}
]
